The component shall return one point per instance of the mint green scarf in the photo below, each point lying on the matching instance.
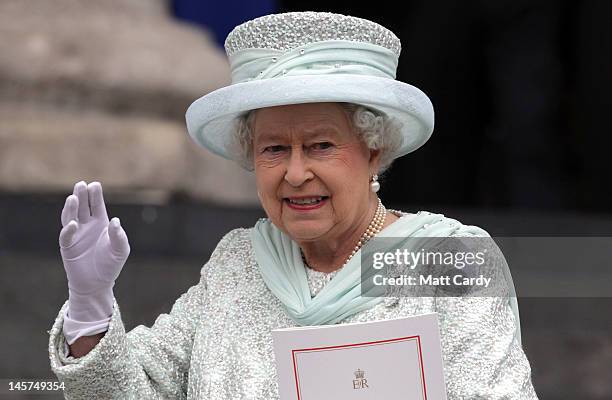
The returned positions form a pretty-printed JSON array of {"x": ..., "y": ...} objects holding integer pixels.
[{"x": 282, "y": 269}]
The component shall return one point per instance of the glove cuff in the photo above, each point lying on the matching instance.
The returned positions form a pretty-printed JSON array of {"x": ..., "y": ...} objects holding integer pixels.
[
  {"x": 74, "y": 329},
  {"x": 91, "y": 307}
]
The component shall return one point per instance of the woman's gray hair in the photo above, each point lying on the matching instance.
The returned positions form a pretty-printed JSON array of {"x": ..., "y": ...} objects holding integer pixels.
[{"x": 377, "y": 130}]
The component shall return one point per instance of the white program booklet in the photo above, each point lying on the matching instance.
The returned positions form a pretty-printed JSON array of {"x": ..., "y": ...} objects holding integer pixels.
[{"x": 393, "y": 359}]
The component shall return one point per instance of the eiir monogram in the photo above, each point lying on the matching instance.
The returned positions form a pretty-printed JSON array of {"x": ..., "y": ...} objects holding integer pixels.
[{"x": 360, "y": 382}]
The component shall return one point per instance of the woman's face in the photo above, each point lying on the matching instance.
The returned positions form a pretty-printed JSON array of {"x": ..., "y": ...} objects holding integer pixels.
[{"x": 312, "y": 170}]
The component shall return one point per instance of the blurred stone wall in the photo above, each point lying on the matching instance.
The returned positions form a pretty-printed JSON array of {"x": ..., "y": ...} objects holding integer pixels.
[{"x": 98, "y": 91}]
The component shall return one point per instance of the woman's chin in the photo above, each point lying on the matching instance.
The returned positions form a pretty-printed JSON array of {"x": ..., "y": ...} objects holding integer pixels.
[{"x": 305, "y": 231}]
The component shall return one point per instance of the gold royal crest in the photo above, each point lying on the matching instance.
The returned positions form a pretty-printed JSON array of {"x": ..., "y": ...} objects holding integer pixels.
[{"x": 360, "y": 381}]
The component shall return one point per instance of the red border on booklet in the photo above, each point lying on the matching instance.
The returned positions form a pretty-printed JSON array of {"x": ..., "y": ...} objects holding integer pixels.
[{"x": 418, "y": 338}]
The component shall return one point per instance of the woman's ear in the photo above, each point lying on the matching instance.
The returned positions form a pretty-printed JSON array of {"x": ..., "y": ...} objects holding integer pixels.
[{"x": 374, "y": 162}]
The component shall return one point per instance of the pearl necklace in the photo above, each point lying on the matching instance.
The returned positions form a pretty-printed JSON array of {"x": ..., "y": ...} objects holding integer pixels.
[{"x": 373, "y": 228}]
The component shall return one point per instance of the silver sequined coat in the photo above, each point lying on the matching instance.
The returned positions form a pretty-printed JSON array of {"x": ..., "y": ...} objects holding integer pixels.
[{"x": 216, "y": 344}]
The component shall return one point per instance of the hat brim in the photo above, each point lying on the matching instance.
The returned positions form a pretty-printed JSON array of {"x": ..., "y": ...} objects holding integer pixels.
[{"x": 213, "y": 118}]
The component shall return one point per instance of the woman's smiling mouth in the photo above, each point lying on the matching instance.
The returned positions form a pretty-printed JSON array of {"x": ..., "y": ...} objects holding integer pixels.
[{"x": 305, "y": 203}]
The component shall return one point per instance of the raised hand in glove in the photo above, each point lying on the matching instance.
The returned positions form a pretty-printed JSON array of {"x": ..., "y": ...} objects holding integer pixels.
[{"x": 93, "y": 251}]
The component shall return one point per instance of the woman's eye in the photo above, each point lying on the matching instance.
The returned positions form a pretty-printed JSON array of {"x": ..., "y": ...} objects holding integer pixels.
[
  {"x": 274, "y": 149},
  {"x": 322, "y": 146}
]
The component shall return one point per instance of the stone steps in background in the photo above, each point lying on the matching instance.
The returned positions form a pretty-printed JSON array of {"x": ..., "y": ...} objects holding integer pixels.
[{"x": 98, "y": 91}]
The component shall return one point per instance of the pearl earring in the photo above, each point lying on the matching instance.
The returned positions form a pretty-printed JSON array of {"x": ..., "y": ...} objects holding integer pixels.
[{"x": 374, "y": 185}]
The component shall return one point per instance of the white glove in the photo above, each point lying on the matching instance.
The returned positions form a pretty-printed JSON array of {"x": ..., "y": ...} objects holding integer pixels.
[{"x": 94, "y": 252}]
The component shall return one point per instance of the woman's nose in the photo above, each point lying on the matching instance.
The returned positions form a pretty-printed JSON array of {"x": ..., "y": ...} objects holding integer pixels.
[{"x": 298, "y": 170}]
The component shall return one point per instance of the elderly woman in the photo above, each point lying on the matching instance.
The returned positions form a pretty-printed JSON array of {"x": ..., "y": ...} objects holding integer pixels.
[{"x": 315, "y": 111}]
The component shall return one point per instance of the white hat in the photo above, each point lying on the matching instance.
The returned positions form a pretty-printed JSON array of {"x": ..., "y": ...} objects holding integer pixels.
[{"x": 308, "y": 57}]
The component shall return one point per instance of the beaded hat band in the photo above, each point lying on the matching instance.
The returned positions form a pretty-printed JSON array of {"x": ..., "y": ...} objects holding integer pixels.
[
  {"x": 309, "y": 57},
  {"x": 289, "y": 31}
]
